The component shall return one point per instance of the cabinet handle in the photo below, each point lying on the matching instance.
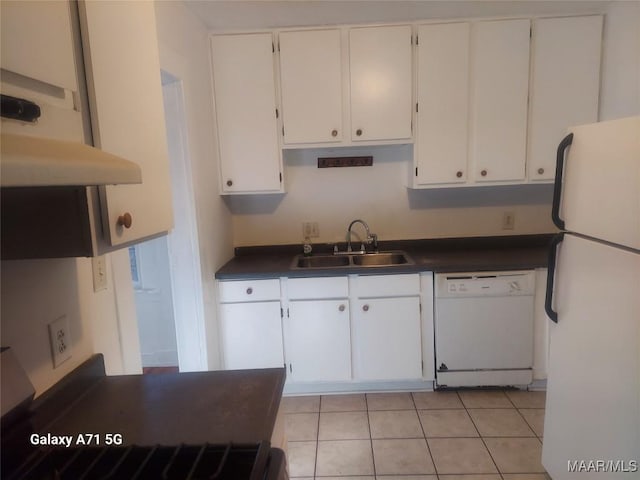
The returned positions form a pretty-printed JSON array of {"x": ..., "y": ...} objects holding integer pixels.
[
  {"x": 341, "y": 308},
  {"x": 359, "y": 132},
  {"x": 249, "y": 291},
  {"x": 334, "y": 133},
  {"x": 483, "y": 173},
  {"x": 365, "y": 307},
  {"x": 229, "y": 183},
  {"x": 540, "y": 171},
  {"x": 459, "y": 174},
  {"x": 125, "y": 220}
]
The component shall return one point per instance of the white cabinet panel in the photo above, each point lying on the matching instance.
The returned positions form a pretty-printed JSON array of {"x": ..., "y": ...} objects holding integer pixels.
[
  {"x": 318, "y": 340},
  {"x": 386, "y": 339},
  {"x": 251, "y": 335},
  {"x": 381, "y": 83},
  {"x": 127, "y": 113},
  {"x": 317, "y": 288},
  {"x": 440, "y": 148},
  {"x": 499, "y": 90},
  {"x": 245, "y": 100},
  {"x": 37, "y": 42},
  {"x": 387, "y": 285},
  {"x": 565, "y": 85},
  {"x": 311, "y": 81}
]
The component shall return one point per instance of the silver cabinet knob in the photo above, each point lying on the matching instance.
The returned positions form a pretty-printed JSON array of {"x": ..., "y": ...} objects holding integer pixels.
[
  {"x": 540, "y": 171},
  {"x": 341, "y": 308},
  {"x": 365, "y": 307},
  {"x": 334, "y": 133},
  {"x": 249, "y": 291},
  {"x": 359, "y": 132},
  {"x": 483, "y": 173},
  {"x": 229, "y": 183},
  {"x": 459, "y": 174}
]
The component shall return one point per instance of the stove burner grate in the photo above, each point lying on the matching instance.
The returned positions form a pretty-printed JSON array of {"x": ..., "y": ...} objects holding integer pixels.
[{"x": 183, "y": 462}]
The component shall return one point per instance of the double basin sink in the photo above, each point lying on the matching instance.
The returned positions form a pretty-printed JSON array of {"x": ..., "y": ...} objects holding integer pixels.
[{"x": 378, "y": 259}]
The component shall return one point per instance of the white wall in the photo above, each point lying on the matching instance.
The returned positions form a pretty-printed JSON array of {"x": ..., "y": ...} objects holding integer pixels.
[{"x": 184, "y": 53}]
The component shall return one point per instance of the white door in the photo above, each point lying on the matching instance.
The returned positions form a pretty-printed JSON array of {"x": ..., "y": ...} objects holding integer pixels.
[
  {"x": 601, "y": 184},
  {"x": 245, "y": 101},
  {"x": 251, "y": 335},
  {"x": 311, "y": 81},
  {"x": 443, "y": 95},
  {"x": 318, "y": 340},
  {"x": 499, "y": 90},
  {"x": 593, "y": 387},
  {"x": 386, "y": 339},
  {"x": 381, "y": 83},
  {"x": 564, "y": 85}
]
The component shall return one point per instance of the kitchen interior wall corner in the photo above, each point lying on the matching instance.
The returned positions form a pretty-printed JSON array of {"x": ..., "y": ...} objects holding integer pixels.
[
  {"x": 184, "y": 53},
  {"x": 37, "y": 292}
]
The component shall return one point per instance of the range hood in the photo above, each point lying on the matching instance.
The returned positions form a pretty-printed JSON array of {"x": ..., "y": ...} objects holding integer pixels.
[{"x": 28, "y": 161}]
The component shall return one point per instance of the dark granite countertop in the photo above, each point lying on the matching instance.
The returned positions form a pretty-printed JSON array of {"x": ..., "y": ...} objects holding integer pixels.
[
  {"x": 436, "y": 255},
  {"x": 217, "y": 407}
]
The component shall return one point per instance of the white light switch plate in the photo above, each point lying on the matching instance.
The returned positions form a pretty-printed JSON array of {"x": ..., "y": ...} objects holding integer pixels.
[{"x": 60, "y": 338}]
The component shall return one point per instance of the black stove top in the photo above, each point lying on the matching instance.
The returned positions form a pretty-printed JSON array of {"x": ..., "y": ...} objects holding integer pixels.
[{"x": 193, "y": 462}]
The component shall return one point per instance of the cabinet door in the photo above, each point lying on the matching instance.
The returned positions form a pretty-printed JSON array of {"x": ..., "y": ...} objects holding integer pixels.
[
  {"x": 386, "y": 339},
  {"x": 318, "y": 340},
  {"x": 381, "y": 83},
  {"x": 245, "y": 101},
  {"x": 443, "y": 95},
  {"x": 565, "y": 85},
  {"x": 37, "y": 42},
  {"x": 251, "y": 335},
  {"x": 127, "y": 113},
  {"x": 499, "y": 90},
  {"x": 311, "y": 81}
]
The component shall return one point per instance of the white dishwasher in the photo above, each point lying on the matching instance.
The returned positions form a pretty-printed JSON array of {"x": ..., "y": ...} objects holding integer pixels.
[{"x": 484, "y": 328}]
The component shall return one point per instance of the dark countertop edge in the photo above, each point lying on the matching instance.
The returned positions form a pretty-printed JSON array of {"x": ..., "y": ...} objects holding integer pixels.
[{"x": 532, "y": 253}]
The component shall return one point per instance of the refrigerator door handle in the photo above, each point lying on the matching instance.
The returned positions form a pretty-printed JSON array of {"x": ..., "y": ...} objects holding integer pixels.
[
  {"x": 557, "y": 184},
  {"x": 551, "y": 273}
]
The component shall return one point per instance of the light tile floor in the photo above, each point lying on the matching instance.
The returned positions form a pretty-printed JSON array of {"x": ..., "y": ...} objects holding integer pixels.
[{"x": 465, "y": 435}]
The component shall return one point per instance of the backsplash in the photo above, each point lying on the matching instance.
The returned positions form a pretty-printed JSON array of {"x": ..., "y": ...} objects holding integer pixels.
[{"x": 378, "y": 194}]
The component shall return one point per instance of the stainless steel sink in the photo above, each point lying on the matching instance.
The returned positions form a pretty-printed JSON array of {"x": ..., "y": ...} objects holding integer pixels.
[
  {"x": 379, "y": 259},
  {"x": 321, "y": 261}
]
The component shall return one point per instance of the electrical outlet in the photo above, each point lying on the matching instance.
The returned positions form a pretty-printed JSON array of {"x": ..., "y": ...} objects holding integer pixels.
[
  {"x": 508, "y": 220},
  {"x": 60, "y": 340},
  {"x": 99, "y": 265},
  {"x": 310, "y": 230}
]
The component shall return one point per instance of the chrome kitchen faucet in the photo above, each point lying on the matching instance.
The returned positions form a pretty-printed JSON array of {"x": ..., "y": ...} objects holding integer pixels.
[{"x": 372, "y": 238}]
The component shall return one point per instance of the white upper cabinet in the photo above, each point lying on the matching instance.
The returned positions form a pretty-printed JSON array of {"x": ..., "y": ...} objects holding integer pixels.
[
  {"x": 125, "y": 96},
  {"x": 380, "y": 83},
  {"x": 36, "y": 42},
  {"x": 499, "y": 91},
  {"x": 311, "y": 86},
  {"x": 245, "y": 101},
  {"x": 440, "y": 148},
  {"x": 565, "y": 85}
]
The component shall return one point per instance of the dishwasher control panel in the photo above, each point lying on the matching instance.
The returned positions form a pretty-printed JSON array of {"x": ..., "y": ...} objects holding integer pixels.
[{"x": 480, "y": 284}]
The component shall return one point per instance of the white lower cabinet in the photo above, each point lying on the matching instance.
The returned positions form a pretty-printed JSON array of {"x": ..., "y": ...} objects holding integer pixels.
[
  {"x": 251, "y": 335},
  {"x": 386, "y": 339},
  {"x": 251, "y": 324},
  {"x": 318, "y": 341}
]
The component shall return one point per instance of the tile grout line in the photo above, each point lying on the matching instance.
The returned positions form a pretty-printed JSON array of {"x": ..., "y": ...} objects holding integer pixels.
[
  {"x": 435, "y": 468},
  {"x": 373, "y": 455},
  {"x": 482, "y": 438}
]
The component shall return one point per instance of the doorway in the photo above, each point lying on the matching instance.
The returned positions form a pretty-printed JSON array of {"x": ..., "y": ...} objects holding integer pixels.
[{"x": 166, "y": 270}]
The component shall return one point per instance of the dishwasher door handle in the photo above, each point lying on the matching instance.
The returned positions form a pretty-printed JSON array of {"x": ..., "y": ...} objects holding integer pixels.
[{"x": 551, "y": 273}]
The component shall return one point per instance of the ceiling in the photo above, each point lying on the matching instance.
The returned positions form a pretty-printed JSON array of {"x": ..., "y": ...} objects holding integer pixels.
[{"x": 221, "y": 15}]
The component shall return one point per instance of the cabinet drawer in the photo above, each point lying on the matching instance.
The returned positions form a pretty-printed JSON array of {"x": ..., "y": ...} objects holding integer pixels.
[
  {"x": 387, "y": 285},
  {"x": 249, "y": 290},
  {"x": 316, "y": 288}
]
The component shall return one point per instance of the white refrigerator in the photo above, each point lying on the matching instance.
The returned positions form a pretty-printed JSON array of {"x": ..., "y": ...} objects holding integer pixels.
[{"x": 592, "y": 419}]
